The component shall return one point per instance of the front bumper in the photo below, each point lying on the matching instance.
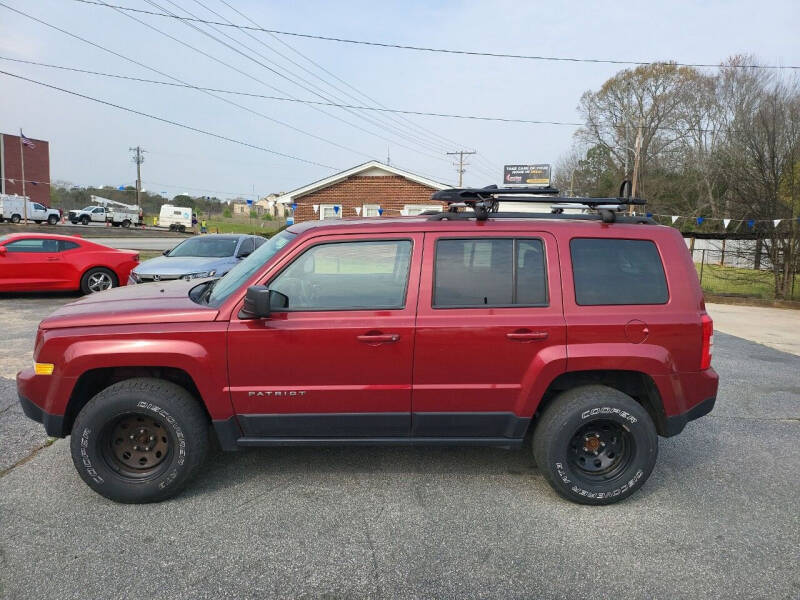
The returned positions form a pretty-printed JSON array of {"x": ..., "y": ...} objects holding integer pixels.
[
  {"x": 53, "y": 424},
  {"x": 34, "y": 393}
]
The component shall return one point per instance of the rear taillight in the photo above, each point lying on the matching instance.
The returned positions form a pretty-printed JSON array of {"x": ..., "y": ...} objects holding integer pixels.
[{"x": 708, "y": 341}]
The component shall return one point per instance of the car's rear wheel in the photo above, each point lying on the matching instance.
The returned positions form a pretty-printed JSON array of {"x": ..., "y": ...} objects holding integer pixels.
[
  {"x": 37, "y": 221},
  {"x": 595, "y": 445},
  {"x": 15, "y": 218},
  {"x": 98, "y": 279},
  {"x": 126, "y": 223},
  {"x": 52, "y": 220},
  {"x": 139, "y": 440},
  {"x": 182, "y": 228}
]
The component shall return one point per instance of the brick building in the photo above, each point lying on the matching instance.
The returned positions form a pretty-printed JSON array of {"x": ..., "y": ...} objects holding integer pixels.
[
  {"x": 37, "y": 168},
  {"x": 369, "y": 190}
]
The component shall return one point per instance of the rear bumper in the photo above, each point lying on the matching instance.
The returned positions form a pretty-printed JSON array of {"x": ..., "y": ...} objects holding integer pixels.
[{"x": 675, "y": 424}]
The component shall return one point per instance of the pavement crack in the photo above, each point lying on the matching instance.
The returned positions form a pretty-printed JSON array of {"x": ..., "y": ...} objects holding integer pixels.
[
  {"x": 25, "y": 459},
  {"x": 769, "y": 419}
]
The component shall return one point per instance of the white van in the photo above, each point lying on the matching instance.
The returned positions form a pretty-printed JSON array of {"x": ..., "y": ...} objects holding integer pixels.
[{"x": 176, "y": 218}]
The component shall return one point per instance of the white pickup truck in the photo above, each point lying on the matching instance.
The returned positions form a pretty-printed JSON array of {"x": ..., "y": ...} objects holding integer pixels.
[
  {"x": 123, "y": 215},
  {"x": 12, "y": 208}
]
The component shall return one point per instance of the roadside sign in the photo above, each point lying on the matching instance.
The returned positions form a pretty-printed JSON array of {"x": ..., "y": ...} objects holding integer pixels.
[
  {"x": 249, "y": 202},
  {"x": 526, "y": 175}
]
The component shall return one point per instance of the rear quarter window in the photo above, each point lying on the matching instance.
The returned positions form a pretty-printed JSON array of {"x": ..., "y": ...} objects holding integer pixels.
[{"x": 614, "y": 272}]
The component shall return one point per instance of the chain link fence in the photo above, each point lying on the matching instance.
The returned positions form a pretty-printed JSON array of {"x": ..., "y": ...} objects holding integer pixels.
[{"x": 737, "y": 268}]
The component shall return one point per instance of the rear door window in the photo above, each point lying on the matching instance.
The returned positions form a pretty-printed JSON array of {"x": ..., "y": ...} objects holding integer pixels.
[
  {"x": 614, "y": 272},
  {"x": 33, "y": 245},
  {"x": 489, "y": 272}
]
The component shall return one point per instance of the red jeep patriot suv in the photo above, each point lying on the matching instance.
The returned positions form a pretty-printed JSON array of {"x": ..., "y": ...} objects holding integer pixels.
[{"x": 471, "y": 326}]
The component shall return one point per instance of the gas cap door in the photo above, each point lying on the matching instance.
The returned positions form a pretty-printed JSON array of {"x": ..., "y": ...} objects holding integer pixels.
[{"x": 636, "y": 331}]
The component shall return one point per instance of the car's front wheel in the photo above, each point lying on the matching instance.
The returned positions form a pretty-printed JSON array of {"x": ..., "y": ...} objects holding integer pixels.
[
  {"x": 98, "y": 279},
  {"x": 595, "y": 445},
  {"x": 139, "y": 440}
]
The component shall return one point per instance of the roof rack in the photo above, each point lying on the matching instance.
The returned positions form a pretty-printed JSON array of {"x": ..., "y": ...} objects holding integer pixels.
[{"x": 485, "y": 203}]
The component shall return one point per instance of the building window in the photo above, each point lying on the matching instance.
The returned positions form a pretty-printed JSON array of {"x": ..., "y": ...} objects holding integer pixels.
[
  {"x": 370, "y": 210},
  {"x": 328, "y": 211},
  {"x": 411, "y": 210}
]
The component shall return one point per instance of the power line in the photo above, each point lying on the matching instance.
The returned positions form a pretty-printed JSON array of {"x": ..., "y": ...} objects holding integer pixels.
[
  {"x": 438, "y": 50},
  {"x": 288, "y": 99},
  {"x": 429, "y": 137},
  {"x": 168, "y": 121},
  {"x": 154, "y": 70},
  {"x": 189, "y": 22}
]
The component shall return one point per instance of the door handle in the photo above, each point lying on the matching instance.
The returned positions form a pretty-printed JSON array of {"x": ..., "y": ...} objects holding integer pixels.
[
  {"x": 378, "y": 338},
  {"x": 527, "y": 336}
]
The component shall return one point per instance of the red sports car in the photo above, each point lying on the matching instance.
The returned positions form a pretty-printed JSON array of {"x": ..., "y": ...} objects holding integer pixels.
[{"x": 33, "y": 262}]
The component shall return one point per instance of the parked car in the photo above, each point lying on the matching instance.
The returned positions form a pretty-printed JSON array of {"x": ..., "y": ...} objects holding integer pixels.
[
  {"x": 197, "y": 257},
  {"x": 31, "y": 262},
  {"x": 588, "y": 330},
  {"x": 12, "y": 208}
]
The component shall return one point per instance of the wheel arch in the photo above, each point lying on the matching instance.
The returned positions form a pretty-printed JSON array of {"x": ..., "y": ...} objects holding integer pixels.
[
  {"x": 636, "y": 384},
  {"x": 93, "y": 381}
]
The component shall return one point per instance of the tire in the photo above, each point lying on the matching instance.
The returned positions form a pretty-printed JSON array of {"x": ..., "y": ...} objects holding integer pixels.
[
  {"x": 15, "y": 218},
  {"x": 52, "y": 220},
  {"x": 171, "y": 444},
  {"x": 182, "y": 228},
  {"x": 126, "y": 223},
  {"x": 98, "y": 279},
  {"x": 39, "y": 222},
  {"x": 595, "y": 445},
  {"x": 84, "y": 220},
  {"x": 172, "y": 227}
]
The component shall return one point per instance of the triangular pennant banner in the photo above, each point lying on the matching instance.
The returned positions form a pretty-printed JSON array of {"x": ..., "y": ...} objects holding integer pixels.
[
  {"x": 675, "y": 218},
  {"x": 315, "y": 207},
  {"x": 336, "y": 208},
  {"x": 775, "y": 222},
  {"x": 380, "y": 211},
  {"x": 726, "y": 222},
  {"x": 358, "y": 210},
  {"x": 11, "y": 180}
]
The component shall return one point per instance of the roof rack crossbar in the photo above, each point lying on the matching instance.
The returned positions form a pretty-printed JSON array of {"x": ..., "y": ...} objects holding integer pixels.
[{"x": 485, "y": 201}]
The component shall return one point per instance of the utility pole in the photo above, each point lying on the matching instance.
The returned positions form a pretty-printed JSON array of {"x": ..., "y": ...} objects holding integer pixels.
[
  {"x": 461, "y": 164},
  {"x": 138, "y": 159},
  {"x": 637, "y": 151},
  {"x": 22, "y": 165}
]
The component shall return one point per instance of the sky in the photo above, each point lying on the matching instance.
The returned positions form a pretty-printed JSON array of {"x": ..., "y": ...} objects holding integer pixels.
[{"x": 89, "y": 142}]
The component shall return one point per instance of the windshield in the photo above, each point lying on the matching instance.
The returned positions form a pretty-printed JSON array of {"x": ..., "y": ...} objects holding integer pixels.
[
  {"x": 87, "y": 209},
  {"x": 244, "y": 270},
  {"x": 208, "y": 246}
]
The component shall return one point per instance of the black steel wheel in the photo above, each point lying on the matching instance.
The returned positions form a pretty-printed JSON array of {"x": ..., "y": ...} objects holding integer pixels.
[
  {"x": 601, "y": 449},
  {"x": 595, "y": 444},
  {"x": 140, "y": 440},
  {"x": 137, "y": 445}
]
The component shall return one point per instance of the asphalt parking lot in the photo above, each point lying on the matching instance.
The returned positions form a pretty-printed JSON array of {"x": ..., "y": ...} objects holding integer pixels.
[{"x": 719, "y": 517}]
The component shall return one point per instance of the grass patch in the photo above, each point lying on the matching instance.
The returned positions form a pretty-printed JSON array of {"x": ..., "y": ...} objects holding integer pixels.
[
  {"x": 741, "y": 282},
  {"x": 233, "y": 225}
]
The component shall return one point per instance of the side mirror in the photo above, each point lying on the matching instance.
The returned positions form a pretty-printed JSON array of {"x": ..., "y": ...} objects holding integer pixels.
[
  {"x": 165, "y": 252},
  {"x": 260, "y": 302}
]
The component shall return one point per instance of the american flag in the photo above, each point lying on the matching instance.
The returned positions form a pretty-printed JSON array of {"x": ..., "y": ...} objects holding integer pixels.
[{"x": 26, "y": 141}]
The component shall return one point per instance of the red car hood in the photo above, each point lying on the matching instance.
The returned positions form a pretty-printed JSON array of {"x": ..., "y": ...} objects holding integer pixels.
[{"x": 147, "y": 303}]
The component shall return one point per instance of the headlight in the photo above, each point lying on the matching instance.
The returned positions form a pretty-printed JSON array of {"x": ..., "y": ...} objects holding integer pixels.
[{"x": 200, "y": 275}]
